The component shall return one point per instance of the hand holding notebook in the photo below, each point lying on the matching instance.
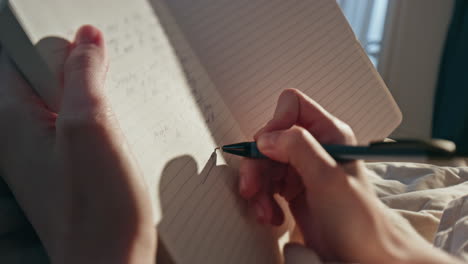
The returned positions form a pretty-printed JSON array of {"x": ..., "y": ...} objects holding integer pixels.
[
  {"x": 69, "y": 171},
  {"x": 178, "y": 222},
  {"x": 187, "y": 76}
]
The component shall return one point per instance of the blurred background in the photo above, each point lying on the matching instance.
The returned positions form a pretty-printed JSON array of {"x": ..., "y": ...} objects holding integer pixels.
[
  {"x": 420, "y": 48},
  {"x": 367, "y": 18}
]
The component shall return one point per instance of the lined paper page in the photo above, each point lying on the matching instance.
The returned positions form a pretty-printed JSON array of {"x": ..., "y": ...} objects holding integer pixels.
[
  {"x": 252, "y": 50},
  {"x": 208, "y": 222},
  {"x": 173, "y": 118}
]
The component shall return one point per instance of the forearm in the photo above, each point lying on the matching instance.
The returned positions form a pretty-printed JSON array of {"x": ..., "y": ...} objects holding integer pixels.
[
  {"x": 111, "y": 220},
  {"x": 405, "y": 248},
  {"x": 432, "y": 256},
  {"x": 107, "y": 246}
]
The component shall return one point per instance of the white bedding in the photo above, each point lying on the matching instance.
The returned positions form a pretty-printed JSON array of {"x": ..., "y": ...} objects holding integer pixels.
[
  {"x": 430, "y": 199},
  {"x": 433, "y": 200}
]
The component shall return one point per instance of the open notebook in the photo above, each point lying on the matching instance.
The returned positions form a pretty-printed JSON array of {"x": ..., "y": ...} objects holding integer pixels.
[{"x": 187, "y": 76}]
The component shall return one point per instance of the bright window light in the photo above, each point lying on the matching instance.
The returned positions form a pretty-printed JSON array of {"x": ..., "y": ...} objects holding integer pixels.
[{"x": 367, "y": 18}]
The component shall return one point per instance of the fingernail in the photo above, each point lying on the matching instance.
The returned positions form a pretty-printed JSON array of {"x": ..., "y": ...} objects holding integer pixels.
[
  {"x": 260, "y": 213},
  {"x": 87, "y": 35},
  {"x": 267, "y": 141}
]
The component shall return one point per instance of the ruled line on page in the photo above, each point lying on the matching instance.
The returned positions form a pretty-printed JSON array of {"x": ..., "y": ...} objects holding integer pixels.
[
  {"x": 254, "y": 56},
  {"x": 262, "y": 38},
  {"x": 251, "y": 59},
  {"x": 257, "y": 89},
  {"x": 351, "y": 96},
  {"x": 241, "y": 30},
  {"x": 264, "y": 84},
  {"x": 180, "y": 185},
  {"x": 237, "y": 82},
  {"x": 208, "y": 18},
  {"x": 262, "y": 108}
]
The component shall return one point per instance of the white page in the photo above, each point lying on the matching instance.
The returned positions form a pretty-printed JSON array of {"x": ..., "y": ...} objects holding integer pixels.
[
  {"x": 253, "y": 50},
  {"x": 173, "y": 118}
]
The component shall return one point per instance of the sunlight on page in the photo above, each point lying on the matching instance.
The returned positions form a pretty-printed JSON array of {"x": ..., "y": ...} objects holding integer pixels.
[
  {"x": 253, "y": 50},
  {"x": 173, "y": 118},
  {"x": 179, "y": 95}
]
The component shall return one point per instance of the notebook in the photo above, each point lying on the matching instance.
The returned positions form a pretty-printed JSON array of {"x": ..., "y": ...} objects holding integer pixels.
[{"x": 187, "y": 76}]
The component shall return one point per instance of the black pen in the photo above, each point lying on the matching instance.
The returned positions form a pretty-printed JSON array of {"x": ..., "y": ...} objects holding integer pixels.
[{"x": 382, "y": 151}]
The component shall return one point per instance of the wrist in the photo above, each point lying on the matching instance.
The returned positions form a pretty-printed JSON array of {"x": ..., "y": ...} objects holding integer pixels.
[{"x": 407, "y": 250}]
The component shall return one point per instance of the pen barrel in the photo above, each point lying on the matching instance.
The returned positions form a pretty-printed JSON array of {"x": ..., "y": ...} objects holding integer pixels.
[
  {"x": 404, "y": 149},
  {"x": 255, "y": 153}
]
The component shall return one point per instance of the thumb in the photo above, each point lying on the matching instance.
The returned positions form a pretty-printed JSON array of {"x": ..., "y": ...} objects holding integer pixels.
[
  {"x": 298, "y": 148},
  {"x": 84, "y": 75}
]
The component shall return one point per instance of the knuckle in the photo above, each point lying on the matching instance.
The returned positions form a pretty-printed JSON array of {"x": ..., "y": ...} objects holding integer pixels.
[
  {"x": 84, "y": 57},
  {"x": 297, "y": 136},
  {"x": 345, "y": 131}
]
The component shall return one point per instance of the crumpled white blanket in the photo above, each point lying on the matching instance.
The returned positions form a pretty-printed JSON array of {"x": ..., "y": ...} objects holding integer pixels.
[{"x": 430, "y": 199}]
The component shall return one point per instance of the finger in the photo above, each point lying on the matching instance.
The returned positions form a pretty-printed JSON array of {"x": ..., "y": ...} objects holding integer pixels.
[
  {"x": 260, "y": 176},
  {"x": 262, "y": 207},
  {"x": 84, "y": 76},
  {"x": 254, "y": 186},
  {"x": 295, "y": 108},
  {"x": 298, "y": 148},
  {"x": 256, "y": 175},
  {"x": 259, "y": 180},
  {"x": 250, "y": 177},
  {"x": 54, "y": 51},
  {"x": 277, "y": 218},
  {"x": 272, "y": 180},
  {"x": 267, "y": 176},
  {"x": 292, "y": 185},
  {"x": 267, "y": 209}
]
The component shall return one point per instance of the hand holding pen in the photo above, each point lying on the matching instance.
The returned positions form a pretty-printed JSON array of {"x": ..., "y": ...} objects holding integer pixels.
[
  {"x": 401, "y": 150},
  {"x": 333, "y": 203}
]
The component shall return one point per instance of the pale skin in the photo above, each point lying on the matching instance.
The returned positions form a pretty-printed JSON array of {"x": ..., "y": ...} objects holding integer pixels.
[
  {"x": 86, "y": 199},
  {"x": 333, "y": 204},
  {"x": 69, "y": 172}
]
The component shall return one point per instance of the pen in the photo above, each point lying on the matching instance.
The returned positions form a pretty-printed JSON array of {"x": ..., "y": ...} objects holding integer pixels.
[{"x": 399, "y": 150}]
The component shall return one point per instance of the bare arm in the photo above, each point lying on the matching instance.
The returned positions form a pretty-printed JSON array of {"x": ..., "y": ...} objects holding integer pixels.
[
  {"x": 334, "y": 205},
  {"x": 69, "y": 171}
]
